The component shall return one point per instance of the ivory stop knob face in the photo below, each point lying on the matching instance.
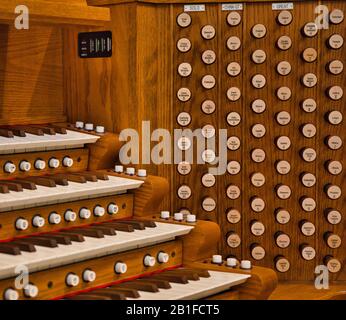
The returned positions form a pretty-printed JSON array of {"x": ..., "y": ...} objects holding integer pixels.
[
  {"x": 208, "y": 180},
  {"x": 149, "y": 261},
  {"x": 335, "y": 117},
  {"x": 245, "y": 264},
  {"x": 22, "y": 224},
  {"x": 336, "y": 41},
  {"x": 184, "y": 192},
  {"x": 208, "y": 56},
  {"x": 208, "y": 131},
  {"x": 233, "y": 143},
  {"x": 257, "y": 204},
  {"x": 283, "y": 143},
  {"x": 282, "y": 240},
  {"x": 233, "y": 118},
  {"x": 184, "y": 168},
  {"x": 191, "y": 218},
  {"x": 283, "y": 118},
  {"x": 283, "y": 191},
  {"x": 258, "y": 106},
  {"x": 208, "y": 156},
  {"x": 259, "y": 56},
  {"x": 233, "y": 240},
  {"x": 335, "y": 93},
  {"x": 233, "y": 192},
  {"x": 89, "y": 276},
  {"x": 233, "y": 18},
  {"x": 40, "y": 164},
  {"x": 310, "y": 29},
  {"x": 258, "y": 155},
  {"x": 184, "y": 20},
  {"x": 184, "y": 119},
  {"x": 333, "y": 192},
  {"x": 333, "y": 265},
  {"x": 308, "y": 180},
  {"x": 99, "y": 211},
  {"x": 233, "y": 216},
  {"x": 336, "y": 16},
  {"x": 184, "y": 143},
  {"x": 233, "y": 43},
  {"x": 72, "y": 280},
  {"x": 258, "y": 130},
  {"x": 308, "y": 130},
  {"x": 38, "y": 221},
  {"x": 258, "y": 252},
  {"x": 284, "y": 93},
  {"x": 282, "y": 264},
  {"x": 208, "y": 32},
  {"x": 178, "y": 216},
  {"x": 24, "y": 166},
  {"x": 233, "y": 167},
  {"x": 335, "y": 67},
  {"x": 70, "y": 216},
  {"x": 284, "y": 43},
  {"x": 79, "y": 124},
  {"x": 334, "y": 142},
  {"x": 184, "y": 69},
  {"x": 231, "y": 262},
  {"x": 307, "y": 228},
  {"x": 258, "y": 179},
  {"x": 333, "y": 240},
  {"x": 89, "y": 126},
  {"x": 283, "y": 167},
  {"x": 11, "y": 294},
  {"x": 308, "y": 204},
  {"x": 257, "y": 228},
  {"x": 53, "y": 163},
  {"x": 309, "y": 105},
  {"x": 284, "y": 68},
  {"x": 258, "y": 81},
  {"x": 208, "y": 81},
  {"x": 309, "y": 80},
  {"x": 67, "y": 162},
  {"x": 310, "y": 55},
  {"x": 120, "y": 267},
  {"x": 334, "y": 167},
  {"x": 208, "y": 106},
  {"x": 217, "y": 259},
  {"x": 165, "y": 215},
  {"x": 54, "y": 218},
  {"x": 309, "y": 154},
  {"x": 9, "y": 167},
  {"x": 308, "y": 253},
  {"x": 183, "y": 45},
  {"x": 282, "y": 216},
  {"x": 233, "y": 94},
  {"x": 259, "y": 31},
  {"x": 284, "y": 18},
  {"x": 31, "y": 291},
  {"x": 233, "y": 69},
  {"x": 184, "y": 94},
  {"x": 208, "y": 204}
]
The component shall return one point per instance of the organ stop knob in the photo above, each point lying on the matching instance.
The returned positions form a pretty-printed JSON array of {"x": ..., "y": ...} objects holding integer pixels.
[
  {"x": 67, "y": 162},
  {"x": 149, "y": 261},
  {"x": 120, "y": 267},
  {"x": 70, "y": 216},
  {"x": 231, "y": 262},
  {"x": 25, "y": 166},
  {"x": 54, "y": 218},
  {"x": 84, "y": 213},
  {"x": 40, "y": 164},
  {"x": 99, "y": 211},
  {"x": 165, "y": 214},
  {"x": 38, "y": 222},
  {"x": 216, "y": 259},
  {"x": 9, "y": 167},
  {"x": 163, "y": 257},
  {"x": 11, "y": 294},
  {"x": 54, "y": 163},
  {"x": 72, "y": 280},
  {"x": 89, "y": 276},
  {"x": 31, "y": 291},
  {"x": 113, "y": 208},
  {"x": 245, "y": 264},
  {"x": 22, "y": 224}
]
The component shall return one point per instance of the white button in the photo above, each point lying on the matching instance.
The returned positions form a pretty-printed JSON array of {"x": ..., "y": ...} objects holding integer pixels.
[
  {"x": 178, "y": 216},
  {"x": 258, "y": 252},
  {"x": 334, "y": 142},
  {"x": 89, "y": 276},
  {"x": 233, "y": 216},
  {"x": 333, "y": 192},
  {"x": 9, "y": 167},
  {"x": 283, "y": 118},
  {"x": 100, "y": 129},
  {"x": 336, "y": 16},
  {"x": 284, "y": 17},
  {"x": 233, "y": 143},
  {"x": 309, "y": 154},
  {"x": 233, "y": 43},
  {"x": 283, "y": 240},
  {"x": 72, "y": 280},
  {"x": 163, "y": 257},
  {"x": 310, "y": 29},
  {"x": 208, "y": 106},
  {"x": 142, "y": 173},
  {"x": 184, "y": 69},
  {"x": 283, "y": 167},
  {"x": 333, "y": 241},
  {"x": 233, "y": 94},
  {"x": 335, "y": 93},
  {"x": 310, "y": 55},
  {"x": 149, "y": 261},
  {"x": 257, "y": 228},
  {"x": 233, "y": 18},
  {"x": 333, "y": 265},
  {"x": 112, "y": 209},
  {"x": 284, "y": 68},
  {"x": 191, "y": 218},
  {"x": 233, "y": 69},
  {"x": 231, "y": 262},
  {"x": 184, "y": 143},
  {"x": 31, "y": 291},
  {"x": 208, "y": 204},
  {"x": 308, "y": 253},
  {"x": 334, "y": 216},
  {"x": 282, "y": 216},
  {"x": 283, "y": 192},
  {"x": 309, "y": 80},
  {"x": 335, "y": 67},
  {"x": 282, "y": 264},
  {"x": 208, "y": 156},
  {"x": 217, "y": 259},
  {"x": 130, "y": 171},
  {"x": 233, "y": 192},
  {"x": 233, "y": 167},
  {"x": 258, "y": 155},
  {"x": 208, "y": 180},
  {"x": 233, "y": 118},
  {"x": 184, "y": 192},
  {"x": 258, "y": 106},
  {"x": 11, "y": 294},
  {"x": 335, "y": 117},
  {"x": 84, "y": 213},
  {"x": 67, "y": 162},
  {"x": 184, "y": 45},
  {"x": 208, "y": 56},
  {"x": 308, "y": 180},
  {"x": 70, "y": 216},
  {"x": 79, "y": 124},
  {"x": 284, "y": 93},
  {"x": 120, "y": 268},
  {"x": 284, "y": 43},
  {"x": 184, "y": 168},
  {"x": 334, "y": 167},
  {"x": 184, "y": 20},
  {"x": 208, "y": 82},
  {"x": 208, "y": 131},
  {"x": 53, "y": 163},
  {"x": 38, "y": 222},
  {"x": 259, "y": 56},
  {"x": 245, "y": 264},
  {"x": 257, "y": 204},
  {"x": 89, "y": 126},
  {"x": 25, "y": 166},
  {"x": 258, "y": 81},
  {"x": 165, "y": 214},
  {"x": 40, "y": 164},
  {"x": 308, "y": 204},
  {"x": 119, "y": 169},
  {"x": 309, "y": 130},
  {"x": 336, "y": 41},
  {"x": 22, "y": 224},
  {"x": 259, "y": 31},
  {"x": 283, "y": 143},
  {"x": 208, "y": 32},
  {"x": 233, "y": 240},
  {"x": 258, "y": 130},
  {"x": 308, "y": 228},
  {"x": 309, "y": 105},
  {"x": 99, "y": 211},
  {"x": 258, "y": 179},
  {"x": 54, "y": 218}
]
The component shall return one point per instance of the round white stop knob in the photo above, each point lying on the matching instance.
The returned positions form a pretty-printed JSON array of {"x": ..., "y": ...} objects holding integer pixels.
[
  {"x": 142, "y": 173},
  {"x": 40, "y": 165},
  {"x": 79, "y": 124},
  {"x": 113, "y": 208},
  {"x": 25, "y": 166},
  {"x": 100, "y": 129},
  {"x": 119, "y": 169},
  {"x": 89, "y": 276},
  {"x": 231, "y": 262},
  {"x": 191, "y": 218},
  {"x": 11, "y": 294},
  {"x": 84, "y": 213},
  {"x": 130, "y": 171},
  {"x": 38, "y": 222},
  {"x": 165, "y": 214},
  {"x": 99, "y": 211},
  {"x": 72, "y": 280},
  {"x": 89, "y": 127},
  {"x": 67, "y": 162},
  {"x": 216, "y": 259},
  {"x": 31, "y": 291},
  {"x": 163, "y": 257},
  {"x": 22, "y": 224},
  {"x": 120, "y": 267},
  {"x": 54, "y": 218},
  {"x": 178, "y": 216},
  {"x": 245, "y": 264},
  {"x": 149, "y": 261},
  {"x": 54, "y": 163},
  {"x": 70, "y": 216},
  {"x": 9, "y": 167}
]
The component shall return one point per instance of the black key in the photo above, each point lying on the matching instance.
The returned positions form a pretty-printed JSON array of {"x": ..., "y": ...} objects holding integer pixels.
[
  {"x": 162, "y": 284},
  {"x": 59, "y": 180},
  {"x": 134, "y": 224},
  {"x": 120, "y": 226},
  {"x": 140, "y": 286},
  {"x": 113, "y": 294},
  {"x": 109, "y": 231},
  {"x": 6, "y": 133},
  {"x": 18, "y": 132},
  {"x": 8, "y": 248},
  {"x": 191, "y": 275},
  {"x": 89, "y": 297},
  {"x": 46, "y": 130},
  {"x": 24, "y": 246},
  {"x": 4, "y": 189},
  {"x": 88, "y": 176},
  {"x": 28, "y": 129},
  {"x": 147, "y": 223},
  {"x": 12, "y": 186},
  {"x": 202, "y": 273},
  {"x": 171, "y": 278},
  {"x": 100, "y": 175},
  {"x": 41, "y": 181},
  {"x": 41, "y": 241},
  {"x": 26, "y": 184},
  {"x": 58, "y": 129},
  {"x": 128, "y": 292},
  {"x": 72, "y": 177},
  {"x": 88, "y": 232},
  {"x": 61, "y": 239},
  {"x": 75, "y": 237}
]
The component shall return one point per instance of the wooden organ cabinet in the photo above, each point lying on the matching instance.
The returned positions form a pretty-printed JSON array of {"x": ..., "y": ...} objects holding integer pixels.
[
  {"x": 270, "y": 73},
  {"x": 70, "y": 226}
]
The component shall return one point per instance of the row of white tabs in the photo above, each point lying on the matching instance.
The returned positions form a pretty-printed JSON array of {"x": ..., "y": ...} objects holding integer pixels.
[
  {"x": 179, "y": 217},
  {"x": 89, "y": 127},
  {"x": 231, "y": 262},
  {"x": 130, "y": 171}
]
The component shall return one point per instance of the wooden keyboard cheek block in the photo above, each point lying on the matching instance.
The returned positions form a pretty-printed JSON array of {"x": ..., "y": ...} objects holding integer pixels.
[{"x": 51, "y": 283}]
